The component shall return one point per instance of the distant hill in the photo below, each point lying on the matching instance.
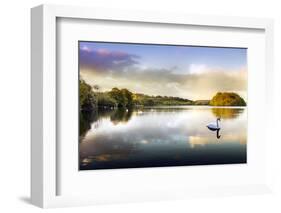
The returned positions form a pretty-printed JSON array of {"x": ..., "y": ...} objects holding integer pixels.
[
  {"x": 147, "y": 100},
  {"x": 201, "y": 102},
  {"x": 227, "y": 99}
]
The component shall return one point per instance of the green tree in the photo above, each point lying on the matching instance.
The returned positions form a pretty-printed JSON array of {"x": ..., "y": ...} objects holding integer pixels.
[
  {"x": 123, "y": 97},
  {"x": 87, "y": 99},
  {"x": 116, "y": 94},
  {"x": 104, "y": 99},
  {"x": 127, "y": 97}
]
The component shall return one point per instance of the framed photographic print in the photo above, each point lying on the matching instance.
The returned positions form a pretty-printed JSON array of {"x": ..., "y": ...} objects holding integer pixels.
[{"x": 149, "y": 106}]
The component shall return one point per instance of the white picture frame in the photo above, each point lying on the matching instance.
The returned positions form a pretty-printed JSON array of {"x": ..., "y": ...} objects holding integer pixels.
[{"x": 44, "y": 154}]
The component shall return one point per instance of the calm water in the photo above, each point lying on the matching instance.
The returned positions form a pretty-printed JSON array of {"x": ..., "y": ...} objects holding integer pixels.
[{"x": 162, "y": 136}]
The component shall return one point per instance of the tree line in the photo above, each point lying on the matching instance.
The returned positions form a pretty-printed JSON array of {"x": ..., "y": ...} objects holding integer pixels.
[{"x": 91, "y": 98}]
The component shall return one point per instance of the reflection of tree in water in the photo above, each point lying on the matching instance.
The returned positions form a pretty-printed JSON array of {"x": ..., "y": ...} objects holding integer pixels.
[
  {"x": 227, "y": 113},
  {"x": 116, "y": 116},
  {"x": 86, "y": 118},
  {"x": 121, "y": 115}
]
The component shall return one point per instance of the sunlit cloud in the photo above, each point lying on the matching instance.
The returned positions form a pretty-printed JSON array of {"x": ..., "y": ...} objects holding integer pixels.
[
  {"x": 197, "y": 68},
  {"x": 194, "y": 86}
]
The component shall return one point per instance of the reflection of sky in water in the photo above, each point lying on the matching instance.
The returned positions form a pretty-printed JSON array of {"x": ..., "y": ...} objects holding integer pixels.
[{"x": 165, "y": 137}]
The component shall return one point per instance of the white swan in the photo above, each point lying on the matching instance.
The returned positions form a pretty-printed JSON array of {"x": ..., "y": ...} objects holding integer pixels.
[{"x": 214, "y": 126}]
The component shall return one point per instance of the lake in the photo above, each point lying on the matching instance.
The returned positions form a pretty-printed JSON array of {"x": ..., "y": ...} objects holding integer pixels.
[{"x": 162, "y": 136}]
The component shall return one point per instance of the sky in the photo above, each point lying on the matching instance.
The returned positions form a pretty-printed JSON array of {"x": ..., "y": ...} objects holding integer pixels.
[{"x": 192, "y": 72}]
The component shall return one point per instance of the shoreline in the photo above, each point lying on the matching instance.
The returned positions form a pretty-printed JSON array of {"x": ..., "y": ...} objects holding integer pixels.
[
  {"x": 196, "y": 106},
  {"x": 176, "y": 106}
]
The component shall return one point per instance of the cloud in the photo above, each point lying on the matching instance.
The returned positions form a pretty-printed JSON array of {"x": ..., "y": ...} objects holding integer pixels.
[
  {"x": 110, "y": 69},
  {"x": 197, "y": 68},
  {"x": 105, "y": 60},
  {"x": 167, "y": 83}
]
